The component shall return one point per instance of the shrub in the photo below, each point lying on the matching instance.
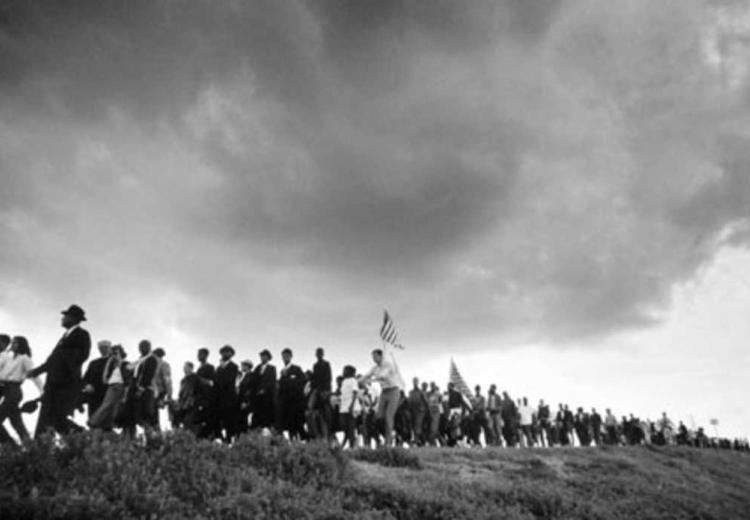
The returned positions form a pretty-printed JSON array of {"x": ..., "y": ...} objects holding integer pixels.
[{"x": 389, "y": 457}]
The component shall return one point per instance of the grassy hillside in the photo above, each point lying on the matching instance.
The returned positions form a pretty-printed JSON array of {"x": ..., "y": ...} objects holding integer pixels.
[{"x": 178, "y": 477}]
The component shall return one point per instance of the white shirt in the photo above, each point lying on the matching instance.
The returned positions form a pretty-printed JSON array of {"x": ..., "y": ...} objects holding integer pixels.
[
  {"x": 527, "y": 414},
  {"x": 349, "y": 388},
  {"x": 385, "y": 374},
  {"x": 14, "y": 368}
]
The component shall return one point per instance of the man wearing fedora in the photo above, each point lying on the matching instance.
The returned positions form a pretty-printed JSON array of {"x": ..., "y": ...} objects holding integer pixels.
[
  {"x": 63, "y": 368},
  {"x": 225, "y": 394},
  {"x": 264, "y": 400}
]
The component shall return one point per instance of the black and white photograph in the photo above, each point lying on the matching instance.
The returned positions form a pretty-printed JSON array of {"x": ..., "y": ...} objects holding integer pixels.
[{"x": 377, "y": 259}]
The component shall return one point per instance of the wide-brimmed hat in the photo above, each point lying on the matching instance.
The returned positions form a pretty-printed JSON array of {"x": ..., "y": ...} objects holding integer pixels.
[
  {"x": 266, "y": 352},
  {"x": 76, "y": 312}
]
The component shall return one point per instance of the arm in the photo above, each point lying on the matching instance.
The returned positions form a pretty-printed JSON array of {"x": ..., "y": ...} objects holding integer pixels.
[{"x": 28, "y": 367}]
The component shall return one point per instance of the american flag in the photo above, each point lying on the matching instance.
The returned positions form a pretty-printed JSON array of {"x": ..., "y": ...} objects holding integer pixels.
[
  {"x": 388, "y": 331},
  {"x": 459, "y": 383}
]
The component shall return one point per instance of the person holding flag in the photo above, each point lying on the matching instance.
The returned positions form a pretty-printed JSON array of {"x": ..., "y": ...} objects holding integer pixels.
[{"x": 385, "y": 374}]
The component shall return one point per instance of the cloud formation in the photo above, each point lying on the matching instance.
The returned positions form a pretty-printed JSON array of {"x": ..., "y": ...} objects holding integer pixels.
[{"x": 536, "y": 170}]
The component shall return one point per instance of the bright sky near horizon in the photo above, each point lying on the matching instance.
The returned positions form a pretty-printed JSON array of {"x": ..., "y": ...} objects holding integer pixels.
[{"x": 554, "y": 193}]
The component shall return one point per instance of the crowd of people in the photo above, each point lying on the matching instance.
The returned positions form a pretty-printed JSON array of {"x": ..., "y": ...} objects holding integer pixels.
[{"x": 227, "y": 400}]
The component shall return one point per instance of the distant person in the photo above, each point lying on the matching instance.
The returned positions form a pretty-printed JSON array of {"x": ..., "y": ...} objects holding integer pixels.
[
  {"x": 544, "y": 424},
  {"x": 478, "y": 420},
  {"x": 385, "y": 374},
  {"x": 115, "y": 378},
  {"x": 610, "y": 427},
  {"x": 4, "y": 342},
  {"x": 15, "y": 367},
  {"x": 205, "y": 395},
  {"x": 509, "y": 415},
  {"x": 163, "y": 382},
  {"x": 291, "y": 397},
  {"x": 225, "y": 394},
  {"x": 418, "y": 410},
  {"x": 596, "y": 427},
  {"x": 349, "y": 406},
  {"x": 144, "y": 388},
  {"x": 245, "y": 391},
  {"x": 93, "y": 379},
  {"x": 264, "y": 398},
  {"x": 319, "y": 413},
  {"x": 435, "y": 408},
  {"x": 63, "y": 368},
  {"x": 185, "y": 411},
  {"x": 526, "y": 418},
  {"x": 582, "y": 425},
  {"x": 495, "y": 426}
]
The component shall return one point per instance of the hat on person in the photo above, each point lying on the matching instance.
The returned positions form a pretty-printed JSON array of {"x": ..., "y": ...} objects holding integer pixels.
[
  {"x": 267, "y": 353},
  {"x": 227, "y": 348},
  {"x": 76, "y": 312},
  {"x": 247, "y": 363}
]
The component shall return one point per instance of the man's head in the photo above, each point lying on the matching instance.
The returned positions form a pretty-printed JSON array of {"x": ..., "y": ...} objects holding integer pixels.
[
  {"x": 525, "y": 401},
  {"x": 493, "y": 389},
  {"x": 319, "y": 353},
  {"x": 415, "y": 382},
  {"x": 188, "y": 367},
  {"x": 478, "y": 389},
  {"x": 144, "y": 347},
  {"x": 226, "y": 352},
  {"x": 286, "y": 355},
  {"x": 246, "y": 365},
  {"x": 104, "y": 346},
  {"x": 425, "y": 386},
  {"x": 72, "y": 316},
  {"x": 159, "y": 352},
  {"x": 450, "y": 386},
  {"x": 377, "y": 356},
  {"x": 202, "y": 355},
  {"x": 4, "y": 341},
  {"x": 265, "y": 356}
]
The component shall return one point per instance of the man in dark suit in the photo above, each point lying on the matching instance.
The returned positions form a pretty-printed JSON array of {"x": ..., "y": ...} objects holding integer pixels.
[
  {"x": 144, "y": 388},
  {"x": 265, "y": 392},
  {"x": 225, "y": 395},
  {"x": 319, "y": 413},
  {"x": 63, "y": 368},
  {"x": 291, "y": 397},
  {"x": 93, "y": 379}
]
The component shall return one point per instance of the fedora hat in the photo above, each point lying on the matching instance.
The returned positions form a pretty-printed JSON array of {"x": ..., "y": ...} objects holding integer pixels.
[{"x": 76, "y": 312}]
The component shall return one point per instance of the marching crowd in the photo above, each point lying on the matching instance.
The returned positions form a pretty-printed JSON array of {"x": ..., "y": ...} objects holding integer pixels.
[{"x": 227, "y": 400}]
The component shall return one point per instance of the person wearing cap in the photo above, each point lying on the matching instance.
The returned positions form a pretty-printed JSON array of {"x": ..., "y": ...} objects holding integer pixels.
[
  {"x": 225, "y": 394},
  {"x": 63, "y": 368},
  {"x": 93, "y": 379},
  {"x": 265, "y": 392}
]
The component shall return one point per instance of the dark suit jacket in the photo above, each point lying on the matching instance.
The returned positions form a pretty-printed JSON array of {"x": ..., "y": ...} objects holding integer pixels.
[
  {"x": 63, "y": 366},
  {"x": 265, "y": 380},
  {"x": 247, "y": 387},
  {"x": 291, "y": 384},
  {"x": 146, "y": 372},
  {"x": 94, "y": 376},
  {"x": 225, "y": 379}
]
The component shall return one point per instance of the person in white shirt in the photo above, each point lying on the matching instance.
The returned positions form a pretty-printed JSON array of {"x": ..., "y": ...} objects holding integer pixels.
[
  {"x": 114, "y": 377},
  {"x": 349, "y": 407},
  {"x": 385, "y": 374},
  {"x": 15, "y": 365},
  {"x": 526, "y": 414}
]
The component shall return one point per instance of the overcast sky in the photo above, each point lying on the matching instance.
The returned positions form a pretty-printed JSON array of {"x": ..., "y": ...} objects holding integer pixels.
[{"x": 522, "y": 184}]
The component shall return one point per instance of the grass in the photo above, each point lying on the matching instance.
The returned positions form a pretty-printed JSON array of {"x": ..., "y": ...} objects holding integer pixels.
[{"x": 175, "y": 476}]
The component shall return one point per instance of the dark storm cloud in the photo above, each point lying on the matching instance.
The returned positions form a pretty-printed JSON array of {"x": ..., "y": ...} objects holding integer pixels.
[{"x": 539, "y": 168}]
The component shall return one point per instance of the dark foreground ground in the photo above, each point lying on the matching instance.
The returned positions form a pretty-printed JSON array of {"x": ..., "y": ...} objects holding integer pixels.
[{"x": 178, "y": 477}]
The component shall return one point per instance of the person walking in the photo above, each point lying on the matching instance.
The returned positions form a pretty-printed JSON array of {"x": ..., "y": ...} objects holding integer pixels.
[
  {"x": 62, "y": 387},
  {"x": 93, "y": 379},
  {"x": 115, "y": 378},
  {"x": 15, "y": 366},
  {"x": 385, "y": 374}
]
